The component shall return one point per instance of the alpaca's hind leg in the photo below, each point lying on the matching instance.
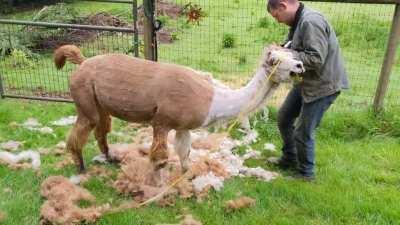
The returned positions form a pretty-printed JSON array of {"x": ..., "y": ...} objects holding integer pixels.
[
  {"x": 182, "y": 147},
  {"x": 159, "y": 147},
  {"x": 103, "y": 127},
  {"x": 77, "y": 139}
]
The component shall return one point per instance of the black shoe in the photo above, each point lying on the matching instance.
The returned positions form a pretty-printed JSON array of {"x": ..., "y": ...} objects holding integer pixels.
[
  {"x": 303, "y": 177},
  {"x": 283, "y": 163}
]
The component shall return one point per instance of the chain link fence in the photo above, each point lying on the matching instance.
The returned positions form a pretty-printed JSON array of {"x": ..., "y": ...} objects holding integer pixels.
[{"x": 225, "y": 38}]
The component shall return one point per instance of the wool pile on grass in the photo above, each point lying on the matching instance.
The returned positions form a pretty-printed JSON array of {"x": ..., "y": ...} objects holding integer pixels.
[
  {"x": 239, "y": 203},
  {"x": 11, "y": 145},
  {"x": 211, "y": 162},
  {"x": 2, "y": 216},
  {"x": 61, "y": 205},
  {"x": 22, "y": 160}
]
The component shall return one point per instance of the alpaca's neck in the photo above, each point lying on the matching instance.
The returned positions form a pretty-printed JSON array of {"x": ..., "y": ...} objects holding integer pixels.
[{"x": 228, "y": 103}]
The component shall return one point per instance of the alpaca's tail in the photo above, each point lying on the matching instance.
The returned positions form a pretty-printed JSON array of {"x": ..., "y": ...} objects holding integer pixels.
[{"x": 69, "y": 53}]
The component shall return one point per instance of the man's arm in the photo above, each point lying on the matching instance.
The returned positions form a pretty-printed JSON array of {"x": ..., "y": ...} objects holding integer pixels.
[{"x": 315, "y": 44}]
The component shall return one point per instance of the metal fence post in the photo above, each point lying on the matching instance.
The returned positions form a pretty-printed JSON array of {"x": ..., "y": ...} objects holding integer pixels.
[
  {"x": 1, "y": 87},
  {"x": 150, "y": 49},
  {"x": 388, "y": 61},
  {"x": 135, "y": 29}
]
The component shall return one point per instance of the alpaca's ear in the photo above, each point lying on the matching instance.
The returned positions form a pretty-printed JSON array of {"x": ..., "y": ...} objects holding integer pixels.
[{"x": 271, "y": 58}]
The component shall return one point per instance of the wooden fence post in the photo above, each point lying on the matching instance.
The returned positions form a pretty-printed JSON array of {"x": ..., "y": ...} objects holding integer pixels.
[
  {"x": 388, "y": 61},
  {"x": 150, "y": 47}
]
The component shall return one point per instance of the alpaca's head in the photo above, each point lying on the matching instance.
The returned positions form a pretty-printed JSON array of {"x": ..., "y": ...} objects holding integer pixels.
[{"x": 285, "y": 61}]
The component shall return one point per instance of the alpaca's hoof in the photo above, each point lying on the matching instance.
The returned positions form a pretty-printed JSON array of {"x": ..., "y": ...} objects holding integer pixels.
[
  {"x": 184, "y": 166},
  {"x": 160, "y": 164},
  {"x": 111, "y": 160},
  {"x": 81, "y": 170}
]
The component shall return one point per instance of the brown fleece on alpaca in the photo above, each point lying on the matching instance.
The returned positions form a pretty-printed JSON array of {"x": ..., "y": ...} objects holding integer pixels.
[
  {"x": 67, "y": 52},
  {"x": 165, "y": 95}
]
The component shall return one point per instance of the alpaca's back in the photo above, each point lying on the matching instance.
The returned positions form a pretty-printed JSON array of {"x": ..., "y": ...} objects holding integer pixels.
[{"x": 139, "y": 90}]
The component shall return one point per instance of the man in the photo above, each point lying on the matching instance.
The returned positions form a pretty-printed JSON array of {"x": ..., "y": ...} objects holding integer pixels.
[{"x": 315, "y": 44}]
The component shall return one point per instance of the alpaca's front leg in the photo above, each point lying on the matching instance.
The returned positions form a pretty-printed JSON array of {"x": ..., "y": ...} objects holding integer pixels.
[
  {"x": 182, "y": 147},
  {"x": 159, "y": 147}
]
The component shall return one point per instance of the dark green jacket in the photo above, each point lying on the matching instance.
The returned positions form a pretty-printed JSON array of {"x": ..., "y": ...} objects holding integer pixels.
[{"x": 317, "y": 47}]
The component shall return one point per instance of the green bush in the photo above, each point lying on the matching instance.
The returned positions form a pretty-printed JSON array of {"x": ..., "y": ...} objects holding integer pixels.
[
  {"x": 10, "y": 42},
  {"x": 228, "y": 40},
  {"x": 19, "y": 60},
  {"x": 264, "y": 22},
  {"x": 8, "y": 6},
  {"x": 58, "y": 13}
]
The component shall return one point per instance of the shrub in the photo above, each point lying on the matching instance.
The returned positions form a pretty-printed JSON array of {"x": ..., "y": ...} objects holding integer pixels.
[
  {"x": 264, "y": 22},
  {"x": 10, "y": 42},
  {"x": 242, "y": 59},
  {"x": 228, "y": 40},
  {"x": 19, "y": 59}
]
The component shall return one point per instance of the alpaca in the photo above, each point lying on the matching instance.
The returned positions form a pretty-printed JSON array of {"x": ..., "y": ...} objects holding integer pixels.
[{"x": 167, "y": 96}]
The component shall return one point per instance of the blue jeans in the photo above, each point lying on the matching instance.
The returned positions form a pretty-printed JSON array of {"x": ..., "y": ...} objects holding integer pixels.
[{"x": 298, "y": 138}]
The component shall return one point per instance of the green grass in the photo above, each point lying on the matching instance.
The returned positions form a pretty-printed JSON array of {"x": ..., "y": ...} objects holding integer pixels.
[{"x": 358, "y": 175}]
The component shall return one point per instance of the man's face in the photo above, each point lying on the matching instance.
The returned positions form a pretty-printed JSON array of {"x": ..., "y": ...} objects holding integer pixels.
[{"x": 281, "y": 13}]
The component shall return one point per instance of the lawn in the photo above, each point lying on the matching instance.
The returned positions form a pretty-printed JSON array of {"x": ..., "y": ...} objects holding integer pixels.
[
  {"x": 358, "y": 175},
  {"x": 358, "y": 153}
]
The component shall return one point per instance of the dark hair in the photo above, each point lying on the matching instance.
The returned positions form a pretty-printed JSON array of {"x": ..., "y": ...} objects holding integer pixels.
[{"x": 273, "y": 4}]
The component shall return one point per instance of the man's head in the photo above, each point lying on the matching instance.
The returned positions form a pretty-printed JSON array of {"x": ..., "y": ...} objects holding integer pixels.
[{"x": 284, "y": 11}]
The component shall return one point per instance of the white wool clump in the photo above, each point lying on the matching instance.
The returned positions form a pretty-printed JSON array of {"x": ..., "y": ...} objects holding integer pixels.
[
  {"x": 65, "y": 121},
  {"x": 194, "y": 155},
  {"x": 259, "y": 173},
  {"x": 250, "y": 153},
  {"x": 33, "y": 125},
  {"x": 31, "y": 122},
  {"x": 75, "y": 179},
  {"x": 250, "y": 137},
  {"x": 228, "y": 144},
  {"x": 32, "y": 156},
  {"x": 11, "y": 145},
  {"x": 270, "y": 147},
  {"x": 61, "y": 145},
  {"x": 231, "y": 163},
  {"x": 100, "y": 159},
  {"x": 44, "y": 130},
  {"x": 200, "y": 182}
]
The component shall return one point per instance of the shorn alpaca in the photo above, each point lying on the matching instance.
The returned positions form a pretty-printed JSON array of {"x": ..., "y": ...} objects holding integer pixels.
[{"x": 167, "y": 96}]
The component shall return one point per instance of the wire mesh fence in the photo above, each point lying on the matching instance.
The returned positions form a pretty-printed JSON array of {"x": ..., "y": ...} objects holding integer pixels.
[
  {"x": 32, "y": 74},
  {"x": 362, "y": 30},
  {"x": 225, "y": 38}
]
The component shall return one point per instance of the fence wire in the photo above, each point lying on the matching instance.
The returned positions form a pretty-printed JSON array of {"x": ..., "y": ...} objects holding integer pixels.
[
  {"x": 29, "y": 71},
  {"x": 362, "y": 30},
  {"x": 223, "y": 37}
]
